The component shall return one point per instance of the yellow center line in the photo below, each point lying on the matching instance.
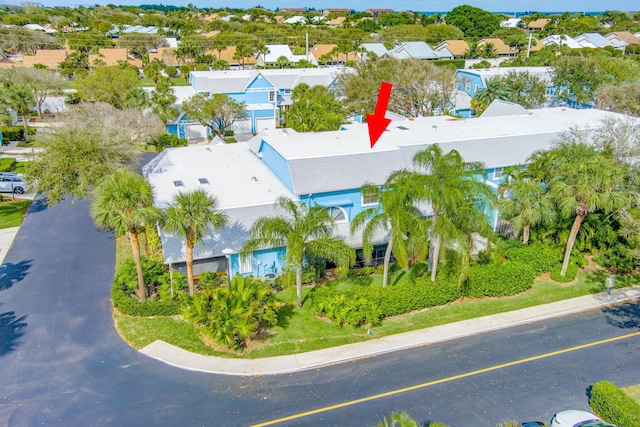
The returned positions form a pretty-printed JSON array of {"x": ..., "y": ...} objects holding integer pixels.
[{"x": 442, "y": 380}]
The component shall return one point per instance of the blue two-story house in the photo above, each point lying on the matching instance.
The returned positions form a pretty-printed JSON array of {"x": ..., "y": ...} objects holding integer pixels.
[
  {"x": 329, "y": 168},
  {"x": 266, "y": 93}
]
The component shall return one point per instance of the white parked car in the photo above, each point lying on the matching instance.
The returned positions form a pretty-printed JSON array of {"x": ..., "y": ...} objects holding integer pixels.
[
  {"x": 12, "y": 183},
  {"x": 574, "y": 418}
]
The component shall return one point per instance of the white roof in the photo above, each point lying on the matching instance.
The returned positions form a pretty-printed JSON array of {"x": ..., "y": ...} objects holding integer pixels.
[
  {"x": 561, "y": 40},
  {"x": 488, "y": 73},
  {"x": 510, "y": 23},
  {"x": 276, "y": 51},
  {"x": 332, "y": 161}
]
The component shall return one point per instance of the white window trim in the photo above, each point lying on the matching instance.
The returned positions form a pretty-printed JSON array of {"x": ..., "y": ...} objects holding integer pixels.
[
  {"x": 272, "y": 96},
  {"x": 498, "y": 173},
  {"x": 245, "y": 264},
  {"x": 476, "y": 88},
  {"x": 344, "y": 212},
  {"x": 363, "y": 204},
  {"x": 467, "y": 87}
]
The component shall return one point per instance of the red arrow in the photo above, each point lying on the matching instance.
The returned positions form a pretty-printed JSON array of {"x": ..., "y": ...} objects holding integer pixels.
[{"x": 377, "y": 122}]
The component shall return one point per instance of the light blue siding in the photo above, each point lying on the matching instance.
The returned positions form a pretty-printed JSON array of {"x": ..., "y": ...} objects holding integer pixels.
[
  {"x": 264, "y": 262},
  {"x": 470, "y": 80},
  {"x": 260, "y": 82},
  {"x": 349, "y": 200},
  {"x": 277, "y": 164}
]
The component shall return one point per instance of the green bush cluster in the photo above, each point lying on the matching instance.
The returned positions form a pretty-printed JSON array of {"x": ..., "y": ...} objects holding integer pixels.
[
  {"x": 618, "y": 259},
  {"x": 169, "y": 141},
  {"x": 368, "y": 305},
  {"x": 15, "y": 133},
  {"x": 7, "y": 164},
  {"x": 232, "y": 316},
  {"x": 614, "y": 405},
  {"x": 166, "y": 302},
  {"x": 492, "y": 280},
  {"x": 572, "y": 272},
  {"x": 540, "y": 258}
]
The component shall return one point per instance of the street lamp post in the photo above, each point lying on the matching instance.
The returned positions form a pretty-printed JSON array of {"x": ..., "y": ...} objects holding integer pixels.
[{"x": 227, "y": 254}]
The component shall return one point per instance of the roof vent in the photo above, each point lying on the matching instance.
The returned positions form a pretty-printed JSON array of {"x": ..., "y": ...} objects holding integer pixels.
[
  {"x": 434, "y": 128},
  {"x": 178, "y": 183},
  {"x": 254, "y": 179},
  {"x": 402, "y": 127},
  {"x": 563, "y": 110},
  {"x": 203, "y": 180}
]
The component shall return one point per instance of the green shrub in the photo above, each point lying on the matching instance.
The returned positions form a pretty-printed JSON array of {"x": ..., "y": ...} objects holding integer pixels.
[
  {"x": 15, "y": 133},
  {"x": 572, "y": 272},
  {"x": 491, "y": 280},
  {"x": 7, "y": 164},
  {"x": 232, "y": 316},
  {"x": 614, "y": 405},
  {"x": 170, "y": 70},
  {"x": 365, "y": 304},
  {"x": 169, "y": 141},
  {"x": 317, "y": 265},
  {"x": 618, "y": 259},
  {"x": 155, "y": 277},
  {"x": 541, "y": 258},
  {"x": 209, "y": 280},
  {"x": 228, "y": 132}
]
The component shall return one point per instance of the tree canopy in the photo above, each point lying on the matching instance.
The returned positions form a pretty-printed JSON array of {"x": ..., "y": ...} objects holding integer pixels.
[
  {"x": 218, "y": 112},
  {"x": 473, "y": 21},
  {"x": 107, "y": 84},
  {"x": 93, "y": 141},
  {"x": 314, "y": 109}
]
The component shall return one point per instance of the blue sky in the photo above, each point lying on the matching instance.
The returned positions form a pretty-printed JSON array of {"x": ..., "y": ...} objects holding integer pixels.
[{"x": 416, "y": 5}]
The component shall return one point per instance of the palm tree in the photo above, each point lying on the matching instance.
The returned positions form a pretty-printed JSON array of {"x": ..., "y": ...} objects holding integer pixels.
[
  {"x": 483, "y": 97},
  {"x": 303, "y": 231},
  {"x": 453, "y": 189},
  {"x": 583, "y": 180},
  {"x": 21, "y": 100},
  {"x": 398, "y": 419},
  {"x": 527, "y": 203},
  {"x": 264, "y": 51},
  {"x": 396, "y": 214},
  {"x": 163, "y": 99},
  {"x": 473, "y": 51},
  {"x": 124, "y": 202},
  {"x": 488, "y": 50},
  {"x": 191, "y": 215}
]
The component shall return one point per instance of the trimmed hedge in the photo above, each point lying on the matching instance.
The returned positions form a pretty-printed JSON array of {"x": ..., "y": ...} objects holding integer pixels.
[
  {"x": 126, "y": 283},
  {"x": 368, "y": 305},
  {"x": 540, "y": 258},
  {"x": 572, "y": 272},
  {"x": 15, "y": 133},
  {"x": 492, "y": 280},
  {"x": 7, "y": 164},
  {"x": 614, "y": 405}
]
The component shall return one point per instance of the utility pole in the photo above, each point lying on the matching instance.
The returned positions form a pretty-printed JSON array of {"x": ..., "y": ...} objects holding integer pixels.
[
  {"x": 529, "y": 46},
  {"x": 306, "y": 53}
]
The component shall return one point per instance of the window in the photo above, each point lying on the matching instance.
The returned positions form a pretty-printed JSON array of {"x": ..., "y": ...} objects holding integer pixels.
[
  {"x": 287, "y": 91},
  {"x": 467, "y": 87},
  {"x": 475, "y": 88},
  {"x": 497, "y": 173},
  {"x": 370, "y": 197},
  {"x": 272, "y": 96},
  {"x": 338, "y": 214},
  {"x": 246, "y": 264}
]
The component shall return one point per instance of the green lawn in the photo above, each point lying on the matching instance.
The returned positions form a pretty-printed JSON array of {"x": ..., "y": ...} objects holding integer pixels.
[
  {"x": 298, "y": 330},
  {"x": 12, "y": 212},
  {"x": 634, "y": 392},
  {"x": 20, "y": 167}
]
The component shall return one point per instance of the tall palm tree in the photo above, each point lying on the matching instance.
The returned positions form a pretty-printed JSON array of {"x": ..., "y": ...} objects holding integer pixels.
[
  {"x": 163, "y": 99},
  {"x": 264, "y": 51},
  {"x": 483, "y": 97},
  {"x": 453, "y": 188},
  {"x": 583, "y": 180},
  {"x": 123, "y": 201},
  {"x": 528, "y": 203},
  {"x": 190, "y": 215},
  {"x": 303, "y": 231},
  {"x": 21, "y": 100},
  {"x": 488, "y": 50},
  {"x": 473, "y": 51},
  {"x": 397, "y": 215}
]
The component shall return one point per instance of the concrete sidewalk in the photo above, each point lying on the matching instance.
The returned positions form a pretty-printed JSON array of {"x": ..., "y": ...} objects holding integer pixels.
[
  {"x": 175, "y": 356},
  {"x": 6, "y": 240}
]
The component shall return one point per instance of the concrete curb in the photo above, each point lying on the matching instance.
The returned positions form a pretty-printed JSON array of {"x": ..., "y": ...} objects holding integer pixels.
[{"x": 183, "y": 359}]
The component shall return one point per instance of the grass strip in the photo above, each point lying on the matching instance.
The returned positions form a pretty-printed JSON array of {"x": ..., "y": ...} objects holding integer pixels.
[{"x": 12, "y": 212}]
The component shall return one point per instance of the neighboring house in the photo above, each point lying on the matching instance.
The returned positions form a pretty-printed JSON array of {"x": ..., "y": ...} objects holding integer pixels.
[
  {"x": 51, "y": 58},
  {"x": 337, "y": 21},
  {"x": 337, "y": 10},
  {"x": 171, "y": 41},
  {"x": 377, "y": 12},
  {"x": 296, "y": 20},
  {"x": 166, "y": 55},
  {"x": 561, "y": 40},
  {"x": 499, "y": 46},
  {"x": 276, "y": 51},
  {"x": 112, "y": 56},
  {"x": 594, "y": 40},
  {"x": 416, "y": 50},
  {"x": 266, "y": 93},
  {"x": 469, "y": 81},
  {"x": 538, "y": 24},
  {"x": 511, "y": 23},
  {"x": 227, "y": 54},
  {"x": 378, "y": 48},
  {"x": 35, "y": 27},
  {"x": 456, "y": 48},
  {"x": 623, "y": 38},
  {"x": 140, "y": 29},
  {"x": 317, "y": 53},
  {"x": 329, "y": 168}
]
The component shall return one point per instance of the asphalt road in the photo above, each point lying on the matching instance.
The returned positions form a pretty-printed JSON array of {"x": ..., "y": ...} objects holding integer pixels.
[{"x": 63, "y": 364}]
